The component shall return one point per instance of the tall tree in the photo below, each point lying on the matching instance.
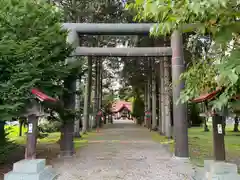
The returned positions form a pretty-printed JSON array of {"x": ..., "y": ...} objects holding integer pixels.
[
  {"x": 219, "y": 19},
  {"x": 33, "y": 59},
  {"x": 87, "y": 95}
]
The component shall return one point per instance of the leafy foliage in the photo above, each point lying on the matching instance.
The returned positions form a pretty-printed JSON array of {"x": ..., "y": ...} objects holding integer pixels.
[
  {"x": 6, "y": 146},
  {"x": 125, "y": 93},
  {"x": 6, "y": 150},
  {"x": 138, "y": 107},
  {"x": 219, "y": 20},
  {"x": 49, "y": 127},
  {"x": 107, "y": 101},
  {"x": 194, "y": 117},
  {"x": 136, "y": 70},
  {"x": 97, "y": 11},
  {"x": 33, "y": 50}
]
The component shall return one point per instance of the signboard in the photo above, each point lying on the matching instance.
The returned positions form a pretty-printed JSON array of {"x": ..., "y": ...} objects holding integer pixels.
[
  {"x": 30, "y": 128},
  {"x": 219, "y": 128}
]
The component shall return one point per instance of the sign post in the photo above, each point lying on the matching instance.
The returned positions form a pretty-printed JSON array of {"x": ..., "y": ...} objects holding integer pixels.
[
  {"x": 30, "y": 152},
  {"x": 217, "y": 124},
  {"x": 33, "y": 111},
  {"x": 218, "y": 138}
]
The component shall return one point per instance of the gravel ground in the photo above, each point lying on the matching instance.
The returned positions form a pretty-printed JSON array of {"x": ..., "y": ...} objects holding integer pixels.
[{"x": 123, "y": 151}]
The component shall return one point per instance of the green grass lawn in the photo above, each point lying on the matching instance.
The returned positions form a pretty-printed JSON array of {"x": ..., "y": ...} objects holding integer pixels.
[
  {"x": 50, "y": 139},
  {"x": 47, "y": 147},
  {"x": 201, "y": 144}
]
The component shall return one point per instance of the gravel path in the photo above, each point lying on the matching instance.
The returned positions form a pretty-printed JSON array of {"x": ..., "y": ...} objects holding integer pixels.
[{"x": 123, "y": 151}]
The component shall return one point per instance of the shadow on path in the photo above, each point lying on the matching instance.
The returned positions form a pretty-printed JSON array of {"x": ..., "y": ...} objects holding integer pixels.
[{"x": 123, "y": 150}]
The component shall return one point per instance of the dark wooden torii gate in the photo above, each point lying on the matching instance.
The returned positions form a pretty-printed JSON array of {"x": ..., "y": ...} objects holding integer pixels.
[{"x": 178, "y": 66}]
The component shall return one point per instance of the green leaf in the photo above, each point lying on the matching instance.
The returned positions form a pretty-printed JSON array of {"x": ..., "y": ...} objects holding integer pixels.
[
  {"x": 233, "y": 77},
  {"x": 32, "y": 59}
]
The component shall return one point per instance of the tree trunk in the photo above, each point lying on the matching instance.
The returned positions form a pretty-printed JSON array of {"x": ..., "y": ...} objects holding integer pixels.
[
  {"x": 145, "y": 101},
  {"x": 111, "y": 119},
  {"x": 95, "y": 105},
  {"x": 171, "y": 100},
  {"x": 224, "y": 125},
  {"x": 89, "y": 90},
  {"x": 85, "y": 110},
  {"x": 159, "y": 102},
  {"x": 67, "y": 129},
  {"x": 87, "y": 97},
  {"x": 149, "y": 88},
  {"x": 189, "y": 120},
  {"x": 163, "y": 119},
  {"x": 99, "y": 88},
  {"x": 167, "y": 113},
  {"x": 30, "y": 152},
  {"x": 154, "y": 116},
  {"x": 2, "y": 133},
  {"x": 100, "y": 84},
  {"x": 104, "y": 119},
  {"x": 80, "y": 123},
  {"x": 66, "y": 140},
  {"x": 206, "y": 129},
  {"x": 77, "y": 107},
  {"x": 97, "y": 93},
  {"x": 236, "y": 122},
  {"x": 20, "y": 127},
  {"x": 77, "y": 128}
]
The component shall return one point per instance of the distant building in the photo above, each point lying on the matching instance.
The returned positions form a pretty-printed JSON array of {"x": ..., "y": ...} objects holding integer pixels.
[{"x": 121, "y": 109}]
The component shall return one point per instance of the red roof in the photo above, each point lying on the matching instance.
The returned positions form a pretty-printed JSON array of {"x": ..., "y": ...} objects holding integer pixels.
[
  {"x": 207, "y": 96},
  {"x": 41, "y": 96},
  {"x": 119, "y": 105}
]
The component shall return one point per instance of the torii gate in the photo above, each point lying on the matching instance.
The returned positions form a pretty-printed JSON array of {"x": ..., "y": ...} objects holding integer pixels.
[{"x": 176, "y": 51}]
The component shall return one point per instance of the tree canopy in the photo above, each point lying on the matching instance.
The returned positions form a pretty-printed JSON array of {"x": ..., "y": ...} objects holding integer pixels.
[
  {"x": 217, "y": 19},
  {"x": 33, "y": 50}
]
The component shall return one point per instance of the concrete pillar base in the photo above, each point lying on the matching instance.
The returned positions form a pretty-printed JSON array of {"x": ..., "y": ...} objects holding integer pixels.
[
  {"x": 183, "y": 165},
  {"x": 182, "y": 159},
  {"x": 35, "y": 169},
  {"x": 214, "y": 170}
]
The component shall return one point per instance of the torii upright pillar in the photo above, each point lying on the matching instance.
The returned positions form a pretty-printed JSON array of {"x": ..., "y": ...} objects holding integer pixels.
[{"x": 179, "y": 110}]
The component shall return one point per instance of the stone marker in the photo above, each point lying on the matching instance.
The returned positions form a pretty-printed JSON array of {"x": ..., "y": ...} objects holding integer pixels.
[
  {"x": 34, "y": 169},
  {"x": 218, "y": 170}
]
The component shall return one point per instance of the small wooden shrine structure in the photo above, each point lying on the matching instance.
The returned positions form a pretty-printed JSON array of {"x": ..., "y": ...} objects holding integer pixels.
[
  {"x": 217, "y": 123},
  {"x": 33, "y": 111}
]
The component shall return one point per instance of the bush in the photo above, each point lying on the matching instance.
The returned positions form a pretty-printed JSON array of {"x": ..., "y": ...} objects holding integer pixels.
[
  {"x": 138, "y": 109},
  {"x": 194, "y": 112},
  {"x": 49, "y": 127},
  {"x": 7, "y": 147},
  {"x": 6, "y": 150}
]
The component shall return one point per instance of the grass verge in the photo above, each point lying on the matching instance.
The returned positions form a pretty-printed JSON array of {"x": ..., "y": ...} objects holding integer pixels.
[
  {"x": 52, "y": 138},
  {"x": 201, "y": 145}
]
